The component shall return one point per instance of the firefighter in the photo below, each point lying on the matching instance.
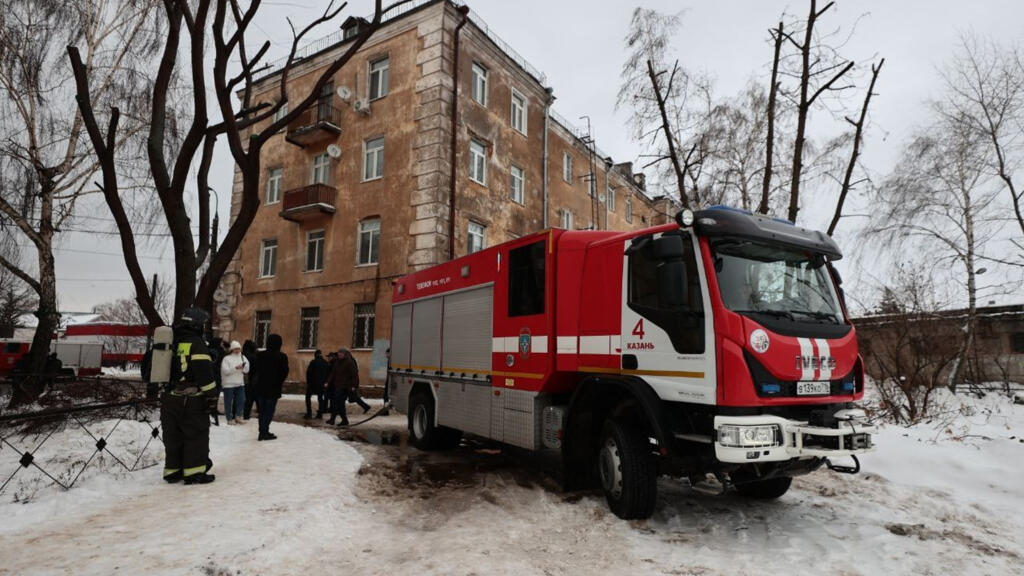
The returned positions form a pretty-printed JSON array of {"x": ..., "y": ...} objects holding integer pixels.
[{"x": 186, "y": 404}]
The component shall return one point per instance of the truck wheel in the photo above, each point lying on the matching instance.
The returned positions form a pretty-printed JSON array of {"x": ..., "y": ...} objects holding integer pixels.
[
  {"x": 422, "y": 431},
  {"x": 769, "y": 489},
  {"x": 628, "y": 472}
]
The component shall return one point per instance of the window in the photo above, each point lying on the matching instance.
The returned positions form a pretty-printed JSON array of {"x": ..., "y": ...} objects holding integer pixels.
[
  {"x": 516, "y": 185},
  {"x": 315, "y": 251},
  {"x": 261, "y": 328},
  {"x": 268, "y": 258},
  {"x": 629, "y": 209},
  {"x": 611, "y": 198},
  {"x": 309, "y": 328},
  {"x": 369, "y": 241},
  {"x": 325, "y": 103},
  {"x": 478, "y": 162},
  {"x": 526, "y": 279},
  {"x": 362, "y": 325},
  {"x": 379, "y": 78},
  {"x": 476, "y": 239},
  {"x": 664, "y": 288},
  {"x": 518, "y": 111},
  {"x": 566, "y": 219},
  {"x": 373, "y": 159},
  {"x": 567, "y": 167},
  {"x": 281, "y": 112},
  {"x": 274, "y": 178},
  {"x": 479, "y": 91},
  {"x": 1017, "y": 342},
  {"x": 321, "y": 169}
]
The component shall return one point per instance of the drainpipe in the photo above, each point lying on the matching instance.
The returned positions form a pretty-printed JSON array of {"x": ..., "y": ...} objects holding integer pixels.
[
  {"x": 464, "y": 11},
  {"x": 544, "y": 183}
]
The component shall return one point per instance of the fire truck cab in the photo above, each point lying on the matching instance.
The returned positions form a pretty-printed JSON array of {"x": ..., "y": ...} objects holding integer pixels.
[{"x": 716, "y": 348}]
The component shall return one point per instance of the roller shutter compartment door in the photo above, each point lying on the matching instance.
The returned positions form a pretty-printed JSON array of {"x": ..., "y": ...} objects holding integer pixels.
[
  {"x": 467, "y": 330},
  {"x": 401, "y": 336},
  {"x": 426, "y": 332}
]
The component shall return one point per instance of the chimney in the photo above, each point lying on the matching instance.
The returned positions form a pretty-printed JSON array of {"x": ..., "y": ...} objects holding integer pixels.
[{"x": 640, "y": 179}]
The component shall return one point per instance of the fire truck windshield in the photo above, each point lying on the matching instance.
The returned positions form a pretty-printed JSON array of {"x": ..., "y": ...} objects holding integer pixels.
[{"x": 771, "y": 280}]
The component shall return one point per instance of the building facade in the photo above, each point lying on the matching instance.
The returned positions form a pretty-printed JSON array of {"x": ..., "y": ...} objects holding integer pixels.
[{"x": 359, "y": 190}]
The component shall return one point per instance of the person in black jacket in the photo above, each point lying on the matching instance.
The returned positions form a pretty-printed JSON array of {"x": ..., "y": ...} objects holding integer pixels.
[
  {"x": 185, "y": 405},
  {"x": 271, "y": 371},
  {"x": 316, "y": 375},
  {"x": 249, "y": 351},
  {"x": 344, "y": 379}
]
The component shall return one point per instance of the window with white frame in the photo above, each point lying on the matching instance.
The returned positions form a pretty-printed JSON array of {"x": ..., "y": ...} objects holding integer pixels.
[
  {"x": 268, "y": 258},
  {"x": 629, "y": 209},
  {"x": 478, "y": 162},
  {"x": 518, "y": 111},
  {"x": 476, "y": 240},
  {"x": 261, "y": 328},
  {"x": 274, "y": 177},
  {"x": 309, "y": 328},
  {"x": 378, "y": 78},
  {"x": 281, "y": 112},
  {"x": 369, "y": 241},
  {"x": 567, "y": 167},
  {"x": 610, "y": 199},
  {"x": 362, "y": 325},
  {"x": 566, "y": 219},
  {"x": 516, "y": 184},
  {"x": 315, "y": 251},
  {"x": 373, "y": 158},
  {"x": 321, "y": 169},
  {"x": 479, "y": 91}
]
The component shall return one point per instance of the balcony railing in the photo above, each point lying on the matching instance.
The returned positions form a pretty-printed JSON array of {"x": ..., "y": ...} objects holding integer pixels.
[
  {"x": 317, "y": 123},
  {"x": 308, "y": 202}
]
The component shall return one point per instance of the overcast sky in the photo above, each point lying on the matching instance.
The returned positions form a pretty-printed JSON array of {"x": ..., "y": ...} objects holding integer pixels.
[{"x": 578, "y": 44}]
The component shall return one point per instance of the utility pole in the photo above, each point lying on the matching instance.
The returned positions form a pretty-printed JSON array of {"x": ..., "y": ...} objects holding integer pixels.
[{"x": 595, "y": 213}]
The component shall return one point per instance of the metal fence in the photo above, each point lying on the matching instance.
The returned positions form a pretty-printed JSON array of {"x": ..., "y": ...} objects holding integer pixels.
[{"x": 79, "y": 405}]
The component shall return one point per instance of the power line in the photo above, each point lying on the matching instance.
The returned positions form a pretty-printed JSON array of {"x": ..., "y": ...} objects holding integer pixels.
[{"x": 100, "y": 253}]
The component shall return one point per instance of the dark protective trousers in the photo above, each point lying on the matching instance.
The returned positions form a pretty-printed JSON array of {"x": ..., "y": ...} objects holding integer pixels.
[
  {"x": 266, "y": 406},
  {"x": 186, "y": 432}
]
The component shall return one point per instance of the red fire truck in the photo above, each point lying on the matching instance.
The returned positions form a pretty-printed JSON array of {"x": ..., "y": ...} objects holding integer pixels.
[{"x": 716, "y": 348}]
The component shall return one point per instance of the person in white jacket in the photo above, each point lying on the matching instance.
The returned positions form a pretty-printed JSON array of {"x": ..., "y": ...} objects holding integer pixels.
[{"x": 233, "y": 369}]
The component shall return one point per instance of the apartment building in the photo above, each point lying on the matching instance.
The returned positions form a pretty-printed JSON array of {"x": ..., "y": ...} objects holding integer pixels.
[{"x": 369, "y": 185}]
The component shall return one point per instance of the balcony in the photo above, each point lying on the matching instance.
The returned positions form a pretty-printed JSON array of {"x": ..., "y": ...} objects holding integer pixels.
[
  {"x": 318, "y": 123},
  {"x": 308, "y": 203}
]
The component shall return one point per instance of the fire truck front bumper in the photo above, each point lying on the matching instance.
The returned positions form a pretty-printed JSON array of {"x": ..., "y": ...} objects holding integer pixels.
[{"x": 763, "y": 438}]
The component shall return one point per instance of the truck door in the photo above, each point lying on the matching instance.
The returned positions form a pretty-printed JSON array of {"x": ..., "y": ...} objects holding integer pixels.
[{"x": 667, "y": 328}]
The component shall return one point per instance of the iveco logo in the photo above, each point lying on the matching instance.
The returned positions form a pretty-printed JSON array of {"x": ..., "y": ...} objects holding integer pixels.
[{"x": 815, "y": 362}]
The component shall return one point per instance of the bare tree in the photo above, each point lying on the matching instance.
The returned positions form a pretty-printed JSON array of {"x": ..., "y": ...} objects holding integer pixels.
[
  {"x": 985, "y": 86},
  {"x": 858, "y": 135},
  {"x": 738, "y": 127},
  {"x": 819, "y": 69},
  {"x": 940, "y": 199},
  {"x": 224, "y": 25},
  {"x": 773, "y": 91},
  {"x": 45, "y": 168},
  {"x": 670, "y": 105},
  {"x": 16, "y": 298}
]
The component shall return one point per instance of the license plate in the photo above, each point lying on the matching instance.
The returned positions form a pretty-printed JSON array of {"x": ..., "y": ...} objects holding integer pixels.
[{"x": 813, "y": 388}]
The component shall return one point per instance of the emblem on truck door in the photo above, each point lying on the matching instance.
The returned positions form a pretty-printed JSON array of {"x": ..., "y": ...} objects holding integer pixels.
[
  {"x": 524, "y": 343},
  {"x": 759, "y": 341}
]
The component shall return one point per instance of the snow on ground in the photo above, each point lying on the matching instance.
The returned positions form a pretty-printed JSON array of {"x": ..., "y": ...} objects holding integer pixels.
[{"x": 932, "y": 500}]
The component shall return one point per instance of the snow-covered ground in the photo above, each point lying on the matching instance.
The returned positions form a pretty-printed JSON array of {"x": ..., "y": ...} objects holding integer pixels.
[{"x": 939, "y": 498}]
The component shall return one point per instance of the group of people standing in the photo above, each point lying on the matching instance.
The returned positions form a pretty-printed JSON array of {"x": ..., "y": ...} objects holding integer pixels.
[
  {"x": 334, "y": 381},
  {"x": 248, "y": 377}
]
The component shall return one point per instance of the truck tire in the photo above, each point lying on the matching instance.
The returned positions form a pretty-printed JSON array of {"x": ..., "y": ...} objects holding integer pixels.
[
  {"x": 769, "y": 489},
  {"x": 423, "y": 433},
  {"x": 628, "y": 471}
]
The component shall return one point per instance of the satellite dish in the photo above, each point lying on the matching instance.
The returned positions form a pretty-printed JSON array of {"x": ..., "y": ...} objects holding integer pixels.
[
  {"x": 223, "y": 310},
  {"x": 219, "y": 295},
  {"x": 334, "y": 151},
  {"x": 344, "y": 93}
]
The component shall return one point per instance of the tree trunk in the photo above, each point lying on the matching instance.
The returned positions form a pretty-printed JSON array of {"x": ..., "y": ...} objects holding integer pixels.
[
  {"x": 803, "y": 107},
  {"x": 972, "y": 295},
  {"x": 666, "y": 127},
  {"x": 773, "y": 90},
  {"x": 32, "y": 386}
]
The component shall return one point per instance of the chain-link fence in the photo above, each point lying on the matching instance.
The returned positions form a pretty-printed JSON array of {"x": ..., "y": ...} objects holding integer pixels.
[{"x": 77, "y": 428}]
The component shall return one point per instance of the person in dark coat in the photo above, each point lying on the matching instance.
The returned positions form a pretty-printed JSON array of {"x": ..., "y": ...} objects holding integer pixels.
[
  {"x": 271, "y": 372},
  {"x": 332, "y": 359},
  {"x": 316, "y": 375},
  {"x": 344, "y": 378},
  {"x": 249, "y": 351}
]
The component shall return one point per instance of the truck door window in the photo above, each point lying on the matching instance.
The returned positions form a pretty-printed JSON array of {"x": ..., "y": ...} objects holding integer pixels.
[
  {"x": 526, "y": 279},
  {"x": 680, "y": 313}
]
